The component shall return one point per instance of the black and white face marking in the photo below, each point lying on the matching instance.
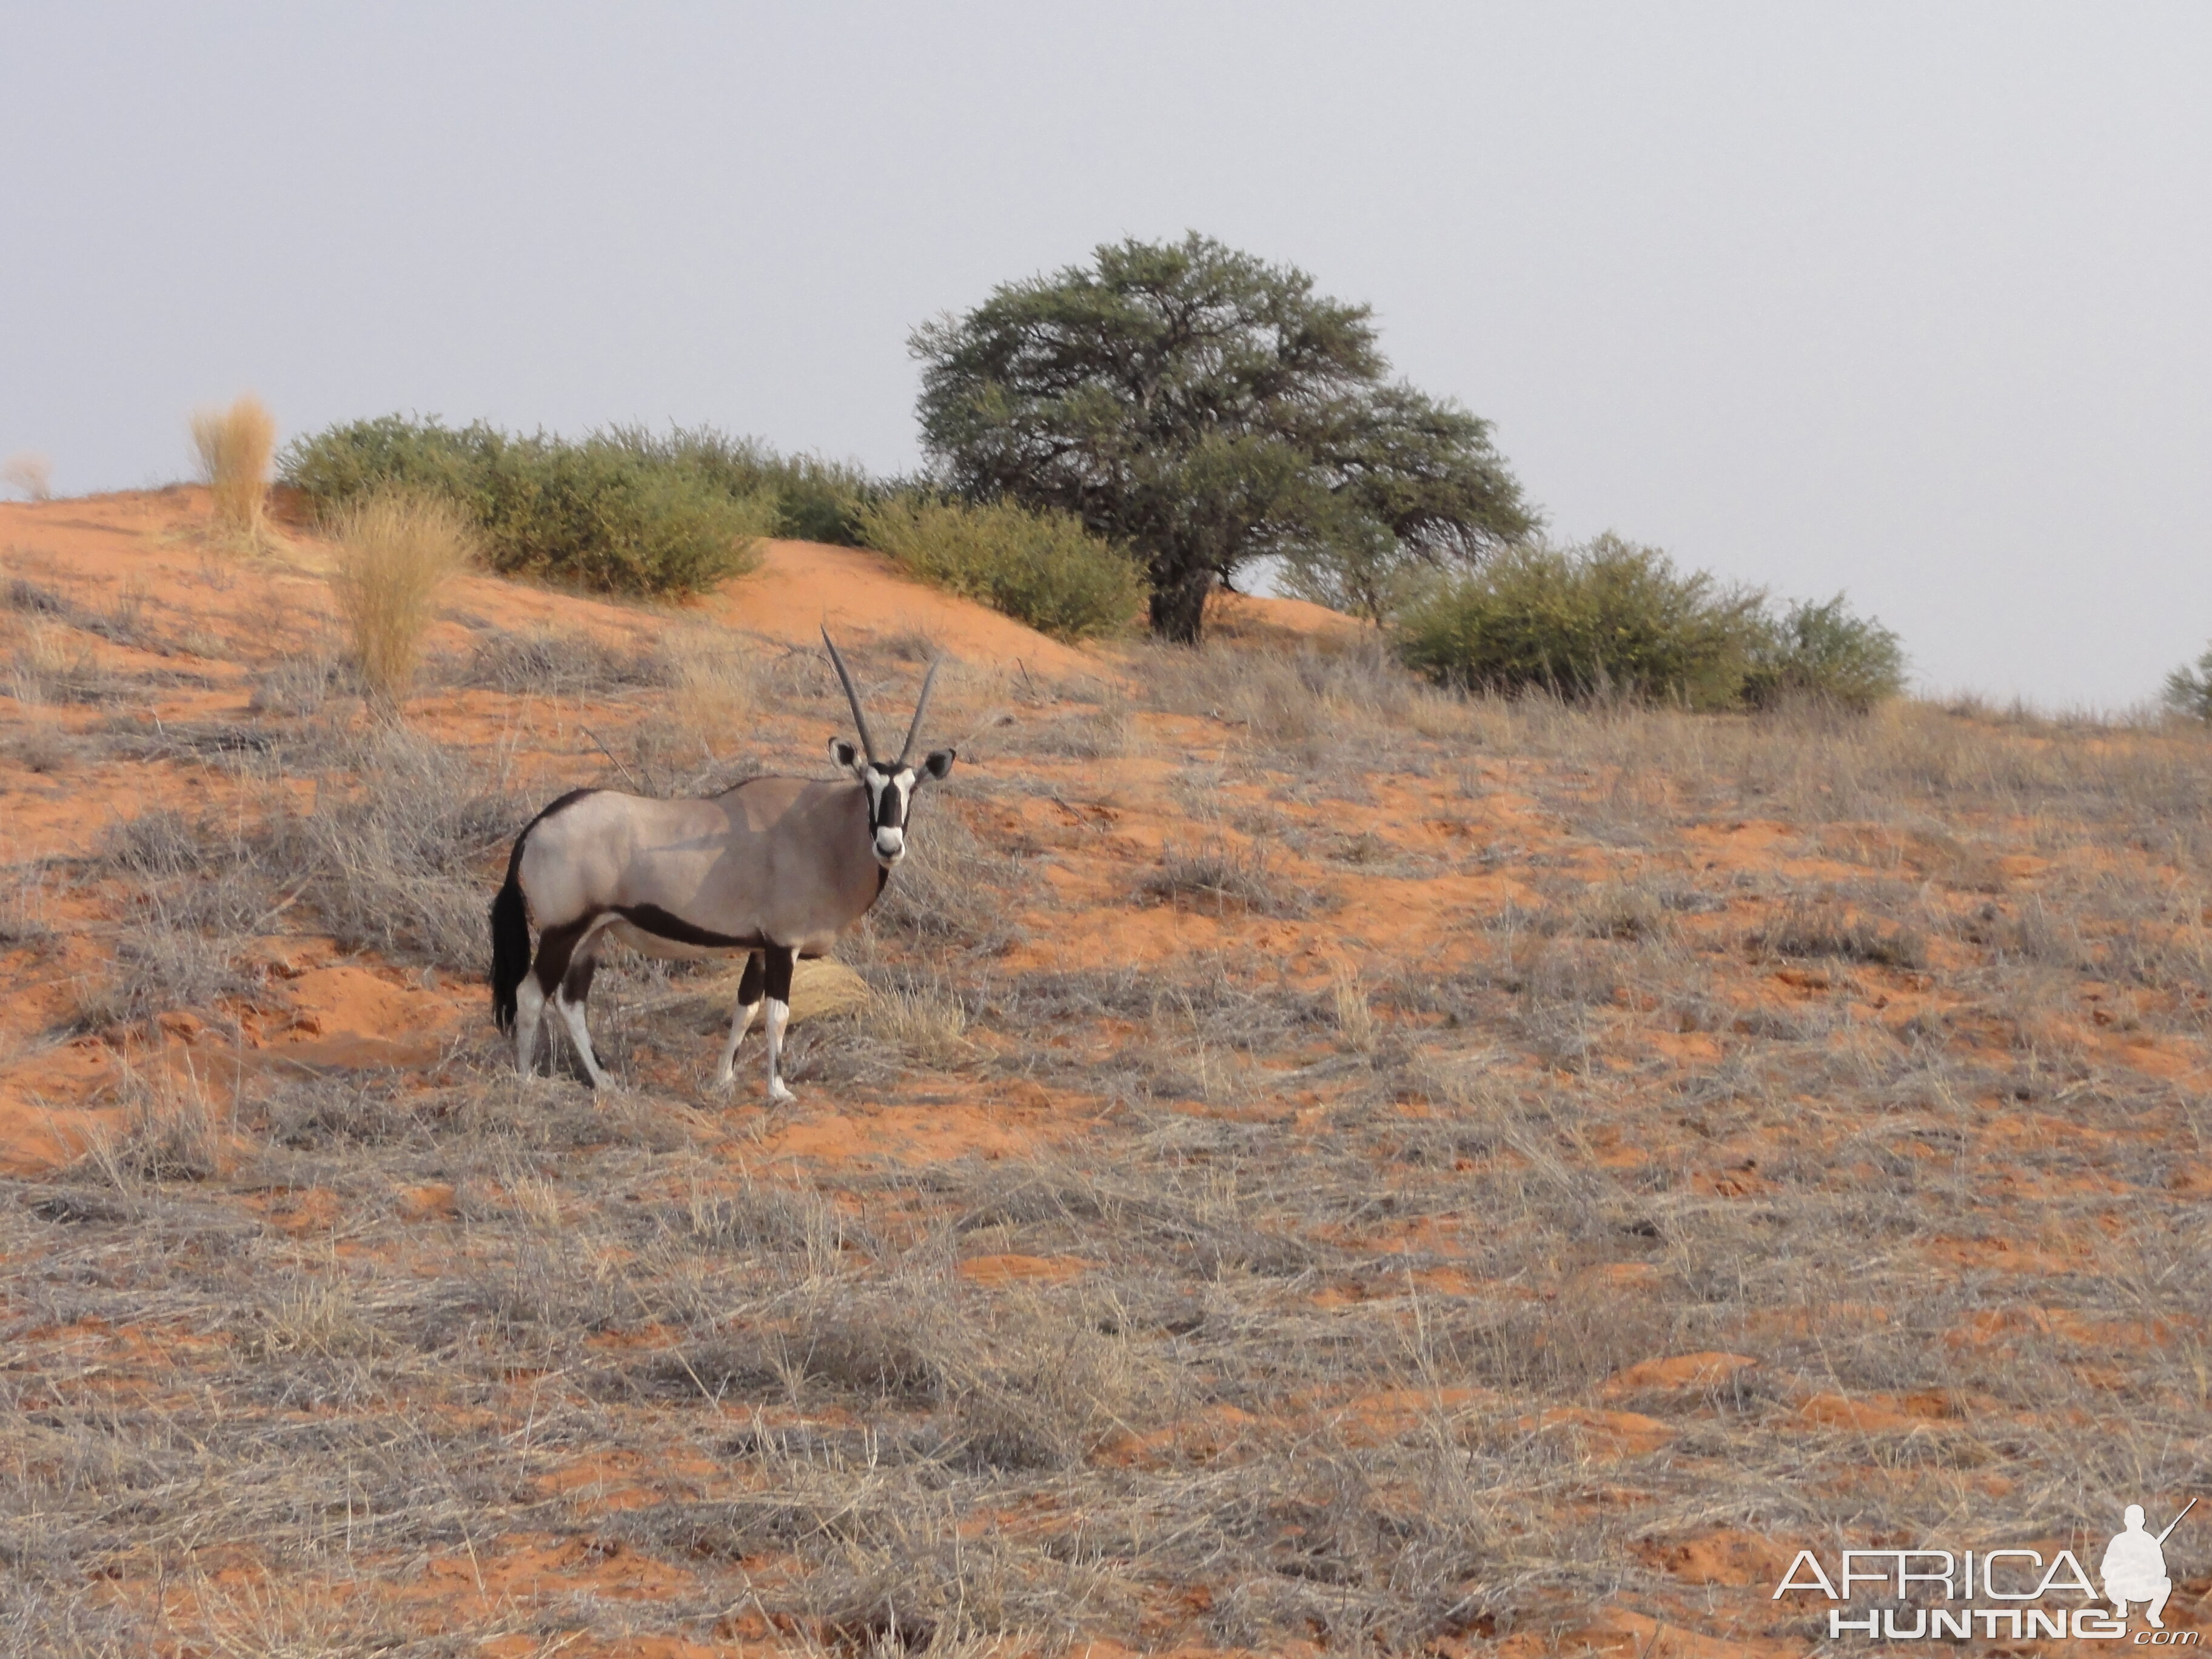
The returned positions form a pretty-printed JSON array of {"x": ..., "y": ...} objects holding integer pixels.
[{"x": 891, "y": 795}]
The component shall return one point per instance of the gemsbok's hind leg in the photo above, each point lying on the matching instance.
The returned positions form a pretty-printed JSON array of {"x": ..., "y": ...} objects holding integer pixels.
[
  {"x": 778, "y": 987},
  {"x": 576, "y": 988},
  {"x": 529, "y": 1010},
  {"x": 559, "y": 950},
  {"x": 741, "y": 1019}
]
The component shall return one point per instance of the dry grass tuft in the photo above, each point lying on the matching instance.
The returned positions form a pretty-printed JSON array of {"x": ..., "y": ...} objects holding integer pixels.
[
  {"x": 42, "y": 748},
  {"x": 39, "y": 660},
  {"x": 25, "y": 909},
  {"x": 172, "y": 1131},
  {"x": 316, "y": 1312},
  {"x": 1221, "y": 877},
  {"x": 394, "y": 550},
  {"x": 1355, "y": 1015},
  {"x": 236, "y": 447},
  {"x": 34, "y": 475},
  {"x": 924, "y": 1023},
  {"x": 299, "y": 685},
  {"x": 1619, "y": 910},
  {"x": 1825, "y": 930},
  {"x": 544, "y": 663}
]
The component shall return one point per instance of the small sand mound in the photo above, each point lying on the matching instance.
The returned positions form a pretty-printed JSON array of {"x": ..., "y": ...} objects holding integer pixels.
[
  {"x": 1255, "y": 618},
  {"x": 803, "y": 587}
]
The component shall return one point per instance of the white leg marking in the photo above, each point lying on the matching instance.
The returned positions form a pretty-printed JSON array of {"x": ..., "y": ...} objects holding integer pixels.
[
  {"x": 581, "y": 1035},
  {"x": 725, "y": 1075},
  {"x": 777, "y": 1013},
  {"x": 529, "y": 1009}
]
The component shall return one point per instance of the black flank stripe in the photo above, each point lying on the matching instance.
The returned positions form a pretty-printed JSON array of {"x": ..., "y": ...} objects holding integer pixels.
[{"x": 662, "y": 924}]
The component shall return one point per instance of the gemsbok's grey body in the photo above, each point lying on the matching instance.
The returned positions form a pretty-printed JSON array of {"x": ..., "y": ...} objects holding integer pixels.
[{"x": 775, "y": 868}]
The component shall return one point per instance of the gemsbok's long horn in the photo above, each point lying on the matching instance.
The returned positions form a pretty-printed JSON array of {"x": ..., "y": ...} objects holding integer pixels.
[
  {"x": 921, "y": 704},
  {"x": 851, "y": 696}
]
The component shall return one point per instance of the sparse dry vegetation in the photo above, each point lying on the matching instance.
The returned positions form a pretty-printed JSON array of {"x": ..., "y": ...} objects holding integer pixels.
[
  {"x": 236, "y": 447},
  {"x": 1322, "y": 1159},
  {"x": 552, "y": 664},
  {"x": 1218, "y": 875},
  {"x": 393, "y": 551},
  {"x": 716, "y": 682},
  {"x": 31, "y": 475}
]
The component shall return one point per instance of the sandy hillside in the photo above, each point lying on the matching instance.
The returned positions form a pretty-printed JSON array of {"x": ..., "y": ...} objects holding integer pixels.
[
  {"x": 1295, "y": 1161},
  {"x": 142, "y": 622}
]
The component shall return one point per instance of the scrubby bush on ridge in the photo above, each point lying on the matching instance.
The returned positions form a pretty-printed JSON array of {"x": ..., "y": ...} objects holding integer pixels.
[
  {"x": 1821, "y": 653},
  {"x": 341, "y": 462},
  {"x": 604, "y": 516},
  {"x": 623, "y": 508},
  {"x": 1611, "y": 618},
  {"x": 1040, "y": 567},
  {"x": 2188, "y": 690}
]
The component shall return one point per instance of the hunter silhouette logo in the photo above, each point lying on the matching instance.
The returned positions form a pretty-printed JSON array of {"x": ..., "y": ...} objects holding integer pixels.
[
  {"x": 2134, "y": 1568},
  {"x": 1933, "y": 1595}
]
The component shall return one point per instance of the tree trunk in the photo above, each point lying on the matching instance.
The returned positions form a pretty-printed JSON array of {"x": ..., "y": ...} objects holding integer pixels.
[{"x": 1179, "y": 610}]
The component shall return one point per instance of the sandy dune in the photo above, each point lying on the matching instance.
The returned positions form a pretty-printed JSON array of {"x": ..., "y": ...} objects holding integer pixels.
[{"x": 1296, "y": 1163}]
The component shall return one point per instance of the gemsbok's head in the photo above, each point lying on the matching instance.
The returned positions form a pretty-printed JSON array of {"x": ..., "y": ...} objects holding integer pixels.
[{"x": 890, "y": 784}]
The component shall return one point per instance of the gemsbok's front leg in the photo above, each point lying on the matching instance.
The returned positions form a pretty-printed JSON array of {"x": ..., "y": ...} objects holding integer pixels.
[
  {"x": 780, "y": 963},
  {"x": 741, "y": 1019}
]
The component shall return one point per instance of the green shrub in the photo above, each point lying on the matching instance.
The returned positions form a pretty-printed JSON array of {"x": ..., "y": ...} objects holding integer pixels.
[
  {"x": 341, "y": 463},
  {"x": 822, "y": 500},
  {"x": 1609, "y": 618},
  {"x": 2189, "y": 689},
  {"x": 1042, "y": 569},
  {"x": 817, "y": 499},
  {"x": 601, "y": 514},
  {"x": 1823, "y": 654},
  {"x": 623, "y": 509}
]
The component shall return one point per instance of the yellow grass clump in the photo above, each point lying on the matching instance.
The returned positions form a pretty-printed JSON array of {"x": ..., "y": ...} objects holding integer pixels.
[
  {"x": 236, "y": 447},
  {"x": 925, "y": 1023},
  {"x": 395, "y": 549}
]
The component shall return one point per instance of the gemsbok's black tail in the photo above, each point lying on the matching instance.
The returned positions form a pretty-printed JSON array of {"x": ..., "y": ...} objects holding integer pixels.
[{"x": 510, "y": 939}]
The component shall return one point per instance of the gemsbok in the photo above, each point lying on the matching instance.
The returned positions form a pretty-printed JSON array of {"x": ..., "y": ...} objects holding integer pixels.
[{"x": 775, "y": 868}]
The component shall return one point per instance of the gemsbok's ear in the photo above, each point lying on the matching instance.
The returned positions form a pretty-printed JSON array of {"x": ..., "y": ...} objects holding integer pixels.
[
  {"x": 844, "y": 754},
  {"x": 939, "y": 763}
]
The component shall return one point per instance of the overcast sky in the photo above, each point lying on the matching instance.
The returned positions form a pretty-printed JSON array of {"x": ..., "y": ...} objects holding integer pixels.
[{"x": 1913, "y": 301}]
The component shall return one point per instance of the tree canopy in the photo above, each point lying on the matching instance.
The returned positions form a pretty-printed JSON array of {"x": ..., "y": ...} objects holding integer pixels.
[{"x": 1206, "y": 409}]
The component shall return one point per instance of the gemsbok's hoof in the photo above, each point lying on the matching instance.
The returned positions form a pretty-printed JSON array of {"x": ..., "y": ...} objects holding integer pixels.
[{"x": 779, "y": 1095}]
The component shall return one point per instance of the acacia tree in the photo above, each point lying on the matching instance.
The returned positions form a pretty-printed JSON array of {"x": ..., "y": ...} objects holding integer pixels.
[{"x": 1207, "y": 409}]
